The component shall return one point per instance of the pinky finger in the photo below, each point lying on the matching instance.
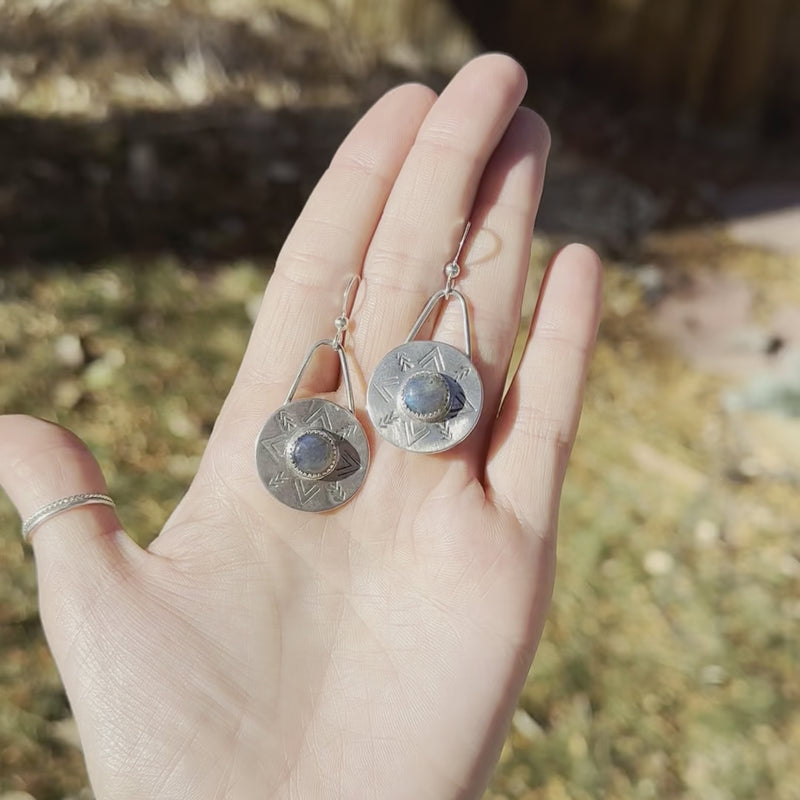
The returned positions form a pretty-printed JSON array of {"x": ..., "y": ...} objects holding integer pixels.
[
  {"x": 78, "y": 551},
  {"x": 536, "y": 427}
]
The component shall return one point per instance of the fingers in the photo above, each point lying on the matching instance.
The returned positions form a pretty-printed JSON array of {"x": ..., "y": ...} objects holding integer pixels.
[
  {"x": 534, "y": 433},
  {"x": 496, "y": 261},
  {"x": 395, "y": 198},
  {"x": 327, "y": 244},
  {"x": 39, "y": 463},
  {"x": 432, "y": 199}
]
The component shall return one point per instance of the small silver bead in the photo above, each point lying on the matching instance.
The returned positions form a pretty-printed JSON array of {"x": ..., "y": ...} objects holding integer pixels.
[
  {"x": 341, "y": 323},
  {"x": 452, "y": 270}
]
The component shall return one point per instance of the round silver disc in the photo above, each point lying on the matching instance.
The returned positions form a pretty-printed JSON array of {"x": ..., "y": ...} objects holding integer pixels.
[
  {"x": 322, "y": 429},
  {"x": 387, "y": 407}
]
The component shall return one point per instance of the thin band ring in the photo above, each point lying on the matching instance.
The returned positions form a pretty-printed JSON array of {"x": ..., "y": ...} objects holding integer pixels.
[{"x": 64, "y": 504}]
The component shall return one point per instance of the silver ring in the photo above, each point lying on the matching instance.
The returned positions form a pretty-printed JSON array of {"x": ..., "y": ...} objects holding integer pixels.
[{"x": 64, "y": 504}]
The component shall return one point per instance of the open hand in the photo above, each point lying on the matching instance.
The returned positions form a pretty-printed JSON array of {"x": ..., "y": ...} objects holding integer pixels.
[{"x": 375, "y": 651}]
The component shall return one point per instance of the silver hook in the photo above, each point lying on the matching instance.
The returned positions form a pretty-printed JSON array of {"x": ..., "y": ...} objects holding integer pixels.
[
  {"x": 341, "y": 322},
  {"x": 452, "y": 269}
]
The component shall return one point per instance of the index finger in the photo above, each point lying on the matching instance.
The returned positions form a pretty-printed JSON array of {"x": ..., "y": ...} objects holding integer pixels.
[{"x": 304, "y": 296}]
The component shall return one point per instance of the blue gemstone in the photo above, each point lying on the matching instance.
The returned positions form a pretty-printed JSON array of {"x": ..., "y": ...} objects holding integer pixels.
[
  {"x": 426, "y": 396},
  {"x": 314, "y": 454}
]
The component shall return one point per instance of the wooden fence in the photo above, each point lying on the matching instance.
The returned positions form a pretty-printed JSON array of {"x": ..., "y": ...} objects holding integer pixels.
[
  {"x": 729, "y": 61},
  {"x": 721, "y": 60}
]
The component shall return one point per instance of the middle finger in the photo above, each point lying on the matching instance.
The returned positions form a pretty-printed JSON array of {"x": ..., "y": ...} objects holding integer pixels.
[{"x": 431, "y": 200}]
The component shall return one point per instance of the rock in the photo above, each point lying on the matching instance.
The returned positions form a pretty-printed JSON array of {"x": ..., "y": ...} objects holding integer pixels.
[
  {"x": 658, "y": 562},
  {"x": 67, "y": 394},
  {"x": 100, "y": 374},
  {"x": 180, "y": 424},
  {"x": 526, "y": 726},
  {"x": 707, "y": 532},
  {"x": 68, "y": 351},
  {"x": 651, "y": 279},
  {"x": 66, "y": 732}
]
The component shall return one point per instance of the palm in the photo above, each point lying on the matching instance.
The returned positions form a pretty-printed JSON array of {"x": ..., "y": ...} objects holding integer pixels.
[
  {"x": 375, "y": 651},
  {"x": 325, "y": 646}
]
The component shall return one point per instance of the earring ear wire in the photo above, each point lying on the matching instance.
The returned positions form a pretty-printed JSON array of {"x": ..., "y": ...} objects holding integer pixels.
[
  {"x": 427, "y": 396},
  {"x": 312, "y": 454}
]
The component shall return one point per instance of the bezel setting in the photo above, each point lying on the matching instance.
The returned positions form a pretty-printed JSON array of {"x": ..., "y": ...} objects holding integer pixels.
[
  {"x": 291, "y": 457},
  {"x": 440, "y": 412}
]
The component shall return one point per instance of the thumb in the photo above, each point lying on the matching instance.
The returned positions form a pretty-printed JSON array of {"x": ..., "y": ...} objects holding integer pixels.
[{"x": 80, "y": 550}]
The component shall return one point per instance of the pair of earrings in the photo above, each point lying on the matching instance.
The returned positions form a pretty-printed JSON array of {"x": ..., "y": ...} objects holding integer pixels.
[{"x": 424, "y": 397}]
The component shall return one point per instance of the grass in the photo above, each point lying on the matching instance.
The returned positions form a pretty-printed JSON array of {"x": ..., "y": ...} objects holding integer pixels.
[{"x": 669, "y": 664}]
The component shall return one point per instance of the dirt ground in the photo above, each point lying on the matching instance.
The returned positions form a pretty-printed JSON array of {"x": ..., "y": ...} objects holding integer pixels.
[{"x": 152, "y": 158}]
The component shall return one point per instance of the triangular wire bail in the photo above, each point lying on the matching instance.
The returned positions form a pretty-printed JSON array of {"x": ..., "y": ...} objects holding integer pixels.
[
  {"x": 444, "y": 294},
  {"x": 334, "y": 345}
]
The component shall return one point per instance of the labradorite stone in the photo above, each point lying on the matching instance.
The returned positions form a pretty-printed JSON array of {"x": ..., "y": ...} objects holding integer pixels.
[
  {"x": 427, "y": 396},
  {"x": 313, "y": 453}
]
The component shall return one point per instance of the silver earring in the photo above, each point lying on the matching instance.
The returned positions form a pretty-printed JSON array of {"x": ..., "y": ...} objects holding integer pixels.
[
  {"x": 427, "y": 396},
  {"x": 313, "y": 454}
]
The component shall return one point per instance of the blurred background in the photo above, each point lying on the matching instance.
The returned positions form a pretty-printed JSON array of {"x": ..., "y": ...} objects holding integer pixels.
[{"x": 153, "y": 155}]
